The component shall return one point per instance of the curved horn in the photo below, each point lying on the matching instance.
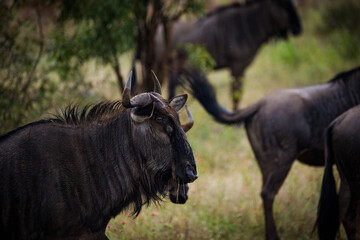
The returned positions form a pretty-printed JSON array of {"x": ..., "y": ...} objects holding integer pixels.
[
  {"x": 126, "y": 93},
  {"x": 157, "y": 86},
  {"x": 187, "y": 126},
  {"x": 142, "y": 99}
]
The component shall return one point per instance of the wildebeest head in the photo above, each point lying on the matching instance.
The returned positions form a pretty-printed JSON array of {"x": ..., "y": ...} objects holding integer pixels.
[
  {"x": 160, "y": 137},
  {"x": 285, "y": 15}
]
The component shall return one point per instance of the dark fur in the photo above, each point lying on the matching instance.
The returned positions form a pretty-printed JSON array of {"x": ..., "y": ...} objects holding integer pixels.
[
  {"x": 67, "y": 176},
  {"x": 286, "y": 125},
  {"x": 342, "y": 148}
]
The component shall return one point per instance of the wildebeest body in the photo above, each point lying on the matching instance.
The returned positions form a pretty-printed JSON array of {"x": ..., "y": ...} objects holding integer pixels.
[
  {"x": 289, "y": 124},
  {"x": 342, "y": 148},
  {"x": 231, "y": 34},
  {"x": 228, "y": 35},
  {"x": 64, "y": 178}
]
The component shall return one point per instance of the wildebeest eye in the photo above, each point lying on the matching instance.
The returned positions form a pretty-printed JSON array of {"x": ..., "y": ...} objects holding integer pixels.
[{"x": 159, "y": 119}]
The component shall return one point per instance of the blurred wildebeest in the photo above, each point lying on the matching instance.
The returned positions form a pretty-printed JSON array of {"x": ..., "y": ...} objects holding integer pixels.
[
  {"x": 232, "y": 35},
  {"x": 342, "y": 147},
  {"x": 286, "y": 125},
  {"x": 66, "y": 177}
]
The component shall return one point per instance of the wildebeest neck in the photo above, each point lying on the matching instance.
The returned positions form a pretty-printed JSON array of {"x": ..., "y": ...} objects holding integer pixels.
[{"x": 113, "y": 156}]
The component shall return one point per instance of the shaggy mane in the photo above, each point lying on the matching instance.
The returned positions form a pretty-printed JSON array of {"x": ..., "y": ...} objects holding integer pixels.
[
  {"x": 74, "y": 115},
  {"x": 344, "y": 76}
]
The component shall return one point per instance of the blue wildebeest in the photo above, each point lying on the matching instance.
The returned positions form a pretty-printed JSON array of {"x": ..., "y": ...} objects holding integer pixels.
[
  {"x": 66, "y": 177},
  {"x": 286, "y": 125},
  {"x": 342, "y": 147},
  {"x": 232, "y": 35}
]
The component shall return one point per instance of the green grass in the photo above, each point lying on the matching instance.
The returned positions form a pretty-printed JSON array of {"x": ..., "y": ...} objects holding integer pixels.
[{"x": 224, "y": 203}]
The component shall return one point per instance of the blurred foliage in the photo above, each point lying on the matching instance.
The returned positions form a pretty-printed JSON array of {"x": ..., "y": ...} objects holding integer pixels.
[
  {"x": 46, "y": 45},
  {"x": 21, "y": 48},
  {"x": 341, "y": 15},
  {"x": 287, "y": 52},
  {"x": 178, "y": 7},
  {"x": 100, "y": 30},
  {"x": 199, "y": 57},
  {"x": 341, "y": 24},
  {"x": 28, "y": 87},
  {"x": 346, "y": 43},
  {"x": 334, "y": 28}
]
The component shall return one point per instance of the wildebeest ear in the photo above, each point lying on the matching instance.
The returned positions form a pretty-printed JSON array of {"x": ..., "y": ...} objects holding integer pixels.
[{"x": 178, "y": 102}]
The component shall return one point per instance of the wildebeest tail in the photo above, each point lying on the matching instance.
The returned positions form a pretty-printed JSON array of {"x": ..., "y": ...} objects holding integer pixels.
[
  {"x": 196, "y": 83},
  {"x": 328, "y": 208}
]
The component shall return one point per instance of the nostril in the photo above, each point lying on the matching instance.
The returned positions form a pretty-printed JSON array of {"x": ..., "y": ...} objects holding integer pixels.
[{"x": 191, "y": 175}]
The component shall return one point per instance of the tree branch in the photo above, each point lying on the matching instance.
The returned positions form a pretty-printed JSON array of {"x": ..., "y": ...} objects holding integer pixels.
[{"x": 41, "y": 49}]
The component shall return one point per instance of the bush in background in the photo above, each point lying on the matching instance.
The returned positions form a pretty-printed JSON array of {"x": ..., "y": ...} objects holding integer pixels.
[{"x": 341, "y": 24}]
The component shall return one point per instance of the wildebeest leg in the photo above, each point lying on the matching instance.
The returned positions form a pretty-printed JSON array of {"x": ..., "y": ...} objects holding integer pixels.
[
  {"x": 352, "y": 220},
  {"x": 237, "y": 72},
  {"x": 272, "y": 181},
  {"x": 236, "y": 91},
  {"x": 348, "y": 207},
  {"x": 275, "y": 165},
  {"x": 344, "y": 198}
]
